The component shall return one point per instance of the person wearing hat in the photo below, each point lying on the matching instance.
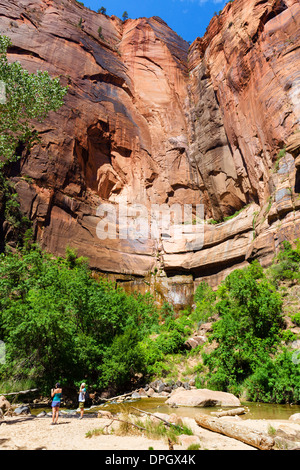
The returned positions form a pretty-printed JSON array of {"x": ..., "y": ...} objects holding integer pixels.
[
  {"x": 81, "y": 399},
  {"x": 56, "y": 394}
]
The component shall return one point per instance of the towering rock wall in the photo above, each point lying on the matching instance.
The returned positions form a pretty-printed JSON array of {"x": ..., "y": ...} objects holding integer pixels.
[
  {"x": 244, "y": 90},
  {"x": 121, "y": 135},
  {"x": 149, "y": 120},
  {"x": 245, "y": 96}
]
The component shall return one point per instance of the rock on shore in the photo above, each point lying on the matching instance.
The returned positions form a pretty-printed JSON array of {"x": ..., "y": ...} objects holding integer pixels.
[{"x": 202, "y": 397}]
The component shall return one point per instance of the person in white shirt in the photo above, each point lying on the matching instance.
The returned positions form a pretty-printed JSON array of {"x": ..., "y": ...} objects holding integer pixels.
[{"x": 81, "y": 399}]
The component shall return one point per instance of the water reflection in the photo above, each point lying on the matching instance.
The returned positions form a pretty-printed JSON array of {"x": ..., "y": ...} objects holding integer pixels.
[
  {"x": 256, "y": 410},
  {"x": 158, "y": 405}
]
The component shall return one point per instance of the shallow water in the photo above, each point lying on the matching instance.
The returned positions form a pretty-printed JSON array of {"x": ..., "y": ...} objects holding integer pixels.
[{"x": 153, "y": 405}]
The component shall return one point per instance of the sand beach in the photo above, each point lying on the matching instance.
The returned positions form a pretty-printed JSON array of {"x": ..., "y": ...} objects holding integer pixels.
[{"x": 32, "y": 433}]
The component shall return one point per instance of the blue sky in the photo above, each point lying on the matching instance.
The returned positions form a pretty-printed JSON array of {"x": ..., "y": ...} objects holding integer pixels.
[{"x": 189, "y": 18}]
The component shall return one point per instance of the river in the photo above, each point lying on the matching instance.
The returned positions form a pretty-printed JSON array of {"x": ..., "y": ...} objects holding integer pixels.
[
  {"x": 153, "y": 405},
  {"x": 256, "y": 410}
]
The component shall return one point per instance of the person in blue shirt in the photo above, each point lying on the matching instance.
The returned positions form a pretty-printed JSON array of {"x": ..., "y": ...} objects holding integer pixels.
[{"x": 56, "y": 394}]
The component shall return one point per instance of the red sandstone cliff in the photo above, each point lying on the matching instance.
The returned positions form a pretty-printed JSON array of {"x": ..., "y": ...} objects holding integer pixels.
[
  {"x": 244, "y": 84},
  {"x": 150, "y": 120}
]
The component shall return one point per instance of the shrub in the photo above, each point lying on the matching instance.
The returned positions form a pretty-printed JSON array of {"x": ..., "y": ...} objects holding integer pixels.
[
  {"x": 296, "y": 319},
  {"x": 122, "y": 359},
  {"x": 248, "y": 328},
  {"x": 275, "y": 380},
  {"x": 280, "y": 155},
  {"x": 286, "y": 263},
  {"x": 205, "y": 299},
  {"x": 100, "y": 32}
]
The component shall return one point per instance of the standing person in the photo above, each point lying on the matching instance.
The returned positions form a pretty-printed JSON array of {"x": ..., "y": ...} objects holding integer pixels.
[
  {"x": 81, "y": 399},
  {"x": 56, "y": 394}
]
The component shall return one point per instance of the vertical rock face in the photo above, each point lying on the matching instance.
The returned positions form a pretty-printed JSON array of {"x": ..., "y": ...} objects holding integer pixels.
[
  {"x": 122, "y": 135},
  {"x": 149, "y": 120},
  {"x": 156, "y": 60},
  {"x": 244, "y": 90}
]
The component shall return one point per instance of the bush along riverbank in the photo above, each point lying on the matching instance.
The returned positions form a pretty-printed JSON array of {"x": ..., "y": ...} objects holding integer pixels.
[{"x": 59, "y": 321}]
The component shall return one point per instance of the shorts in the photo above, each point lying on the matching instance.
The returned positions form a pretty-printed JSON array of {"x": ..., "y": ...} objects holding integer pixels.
[
  {"x": 81, "y": 404},
  {"x": 55, "y": 404}
]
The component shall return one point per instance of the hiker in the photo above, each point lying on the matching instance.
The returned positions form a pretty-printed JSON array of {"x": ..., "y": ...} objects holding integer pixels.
[
  {"x": 81, "y": 399},
  {"x": 56, "y": 394}
]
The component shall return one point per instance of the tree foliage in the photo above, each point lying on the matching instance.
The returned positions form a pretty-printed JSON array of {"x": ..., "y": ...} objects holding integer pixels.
[
  {"x": 248, "y": 335},
  {"x": 102, "y": 10},
  {"x": 125, "y": 16},
  {"x": 59, "y": 322},
  {"x": 286, "y": 264},
  {"x": 28, "y": 96}
]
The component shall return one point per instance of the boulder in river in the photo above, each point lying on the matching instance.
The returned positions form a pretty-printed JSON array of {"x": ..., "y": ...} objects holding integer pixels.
[
  {"x": 202, "y": 397},
  {"x": 22, "y": 410}
]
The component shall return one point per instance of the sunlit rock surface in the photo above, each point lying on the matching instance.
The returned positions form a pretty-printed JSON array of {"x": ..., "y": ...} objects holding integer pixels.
[{"x": 148, "y": 120}]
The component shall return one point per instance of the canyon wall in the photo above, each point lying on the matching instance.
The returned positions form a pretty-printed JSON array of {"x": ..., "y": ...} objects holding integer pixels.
[{"x": 148, "y": 120}]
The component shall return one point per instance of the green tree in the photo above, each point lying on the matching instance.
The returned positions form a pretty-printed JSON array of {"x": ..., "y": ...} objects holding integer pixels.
[
  {"x": 248, "y": 330},
  {"x": 205, "y": 299},
  {"x": 102, "y": 10},
  {"x": 125, "y": 16},
  {"x": 277, "y": 380},
  {"x": 58, "y": 322},
  {"x": 122, "y": 359},
  {"x": 28, "y": 96}
]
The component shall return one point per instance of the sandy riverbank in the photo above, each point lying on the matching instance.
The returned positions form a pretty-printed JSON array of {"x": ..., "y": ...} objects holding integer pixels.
[{"x": 28, "y": 433}]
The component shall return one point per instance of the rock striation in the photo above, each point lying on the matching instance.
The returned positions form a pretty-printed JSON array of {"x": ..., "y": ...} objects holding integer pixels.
[{"x": 149, "y": 120}]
